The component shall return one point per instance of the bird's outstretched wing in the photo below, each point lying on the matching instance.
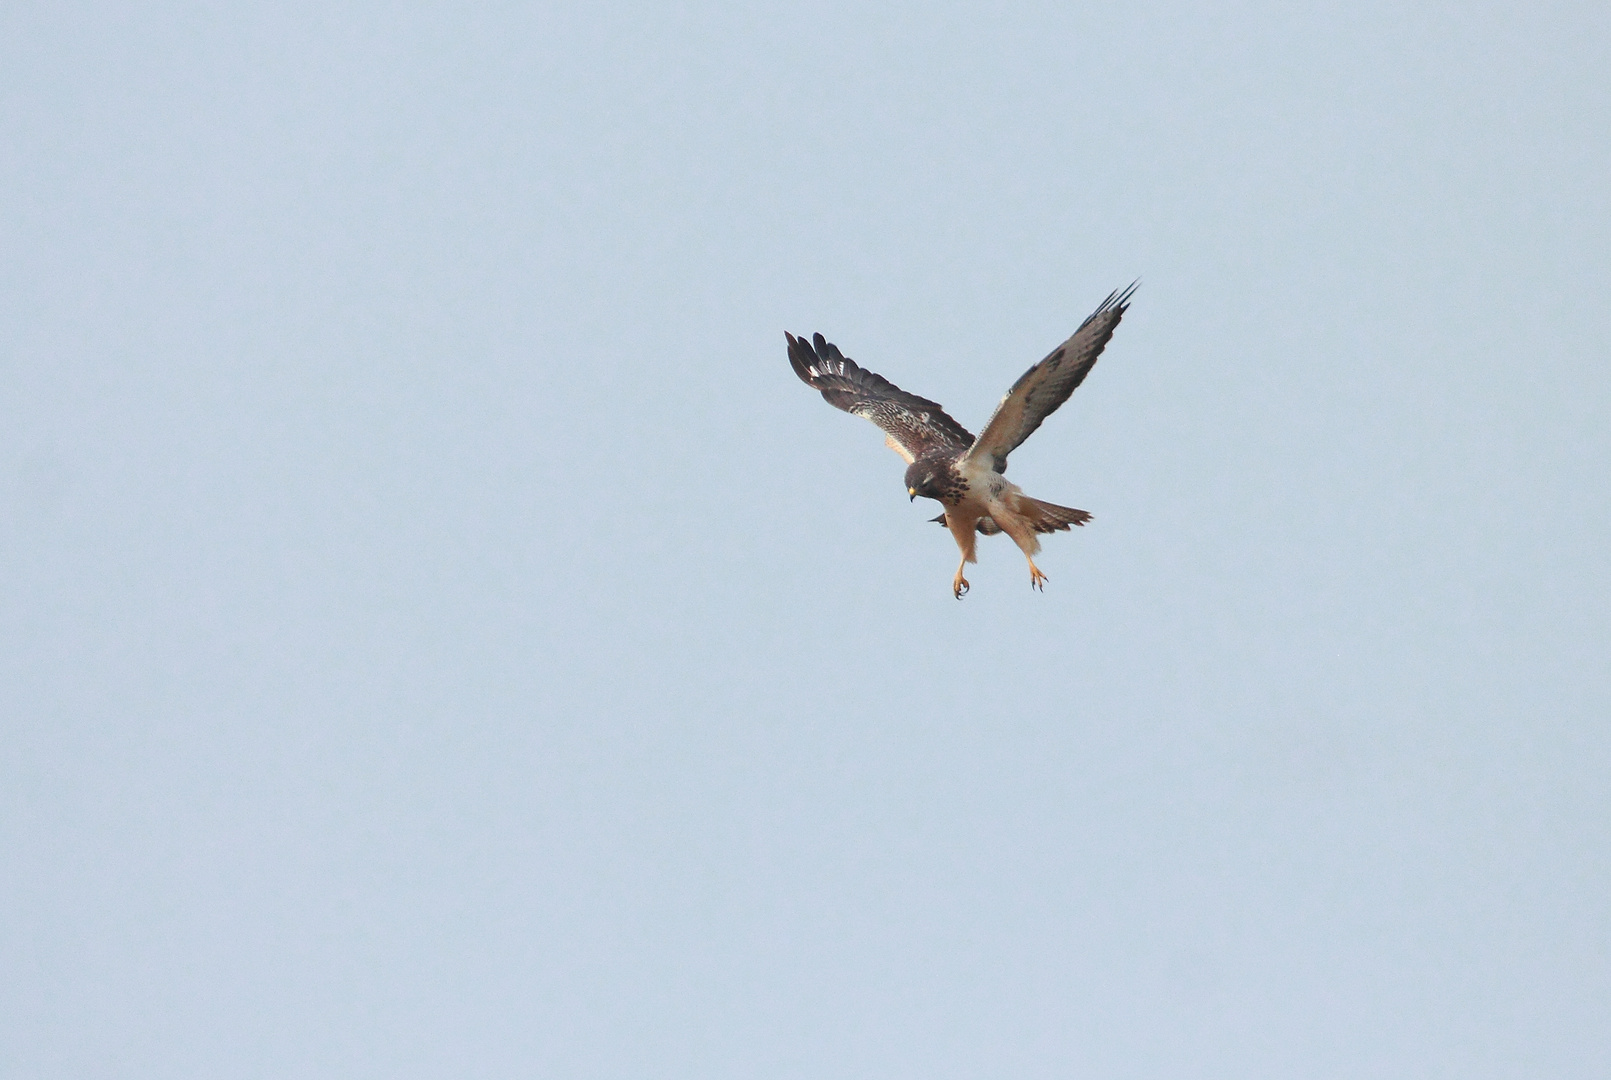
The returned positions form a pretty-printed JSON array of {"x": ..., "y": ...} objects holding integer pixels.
[
  {"x": 1041, "y": 389},
  {"x": 914, "y": 425}
]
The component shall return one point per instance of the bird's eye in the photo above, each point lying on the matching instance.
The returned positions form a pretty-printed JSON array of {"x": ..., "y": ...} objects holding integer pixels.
[{"x": 929, "y": 479}]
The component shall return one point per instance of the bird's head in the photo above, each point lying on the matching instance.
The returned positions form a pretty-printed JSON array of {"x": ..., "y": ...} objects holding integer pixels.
[{"x": 922, "y": 478}]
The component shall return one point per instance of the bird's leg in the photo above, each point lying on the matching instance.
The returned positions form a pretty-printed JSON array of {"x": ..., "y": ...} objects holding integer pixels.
[
  {"x": 1023, "y": 534},
  {"x": 1037, "y": 580},
  {"x": 961, "y": 526}
]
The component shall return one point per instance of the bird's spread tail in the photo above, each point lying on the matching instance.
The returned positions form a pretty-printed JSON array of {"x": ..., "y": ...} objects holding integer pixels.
[
  {"x": 1048, "y": 517},
  {"x": 1043, "y": 517}
]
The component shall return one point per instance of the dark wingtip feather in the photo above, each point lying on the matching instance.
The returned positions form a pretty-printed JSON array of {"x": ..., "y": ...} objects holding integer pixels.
[
  {"x": 800, "y": 357},
  {"x": 825, "y": 357},
  {"x": 1118, "y": 300}
]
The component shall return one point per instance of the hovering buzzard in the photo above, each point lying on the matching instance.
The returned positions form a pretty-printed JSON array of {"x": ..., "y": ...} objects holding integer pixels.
[{"x": 946, "y": 463}]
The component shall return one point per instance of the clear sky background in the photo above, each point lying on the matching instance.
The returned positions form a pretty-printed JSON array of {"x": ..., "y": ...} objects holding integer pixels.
[{"x": 440, "y": 637}]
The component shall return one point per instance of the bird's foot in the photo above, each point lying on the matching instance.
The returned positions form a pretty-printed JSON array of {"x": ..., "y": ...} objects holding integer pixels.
[
  {"x": 959, "y": 586},
  {"x": 1037, "y": 580}
]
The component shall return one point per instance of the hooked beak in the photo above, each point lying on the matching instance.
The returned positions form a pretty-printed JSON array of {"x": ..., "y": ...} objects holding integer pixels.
[{"x": 913, "y": 493}]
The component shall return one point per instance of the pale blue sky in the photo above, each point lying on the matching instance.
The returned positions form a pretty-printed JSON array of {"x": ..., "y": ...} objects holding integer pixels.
[{"x": 440, "y": 636}]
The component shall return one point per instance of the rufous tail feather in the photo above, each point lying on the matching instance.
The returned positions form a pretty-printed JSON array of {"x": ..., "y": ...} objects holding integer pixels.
[
  {"x": 1044, "y": 517},
  {"x": 1049, "y": 517}
]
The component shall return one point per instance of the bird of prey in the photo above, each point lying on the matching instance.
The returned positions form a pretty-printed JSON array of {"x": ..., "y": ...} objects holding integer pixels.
[{"x": 944, "y": 462}]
